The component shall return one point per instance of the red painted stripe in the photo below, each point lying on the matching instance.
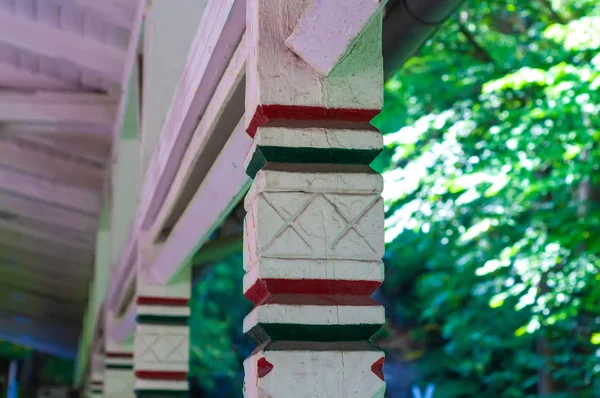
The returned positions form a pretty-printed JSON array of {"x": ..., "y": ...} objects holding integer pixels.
[
  {"x": 320, "y": 300},
  {"x": 119, "y": 355},
  {"x": 161, "y": 375},
  {"x": 264, "y": 367},
  {"x": 263, "y": 288},
  {"x": 168, "y": 301},
  {"x": 264, "y": 113},
  {"x": 97, "y": 383},
  {"x": 377, "y": 368}
]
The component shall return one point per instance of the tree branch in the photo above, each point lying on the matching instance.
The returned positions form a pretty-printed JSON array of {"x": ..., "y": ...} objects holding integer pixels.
[
  {"x": 480, "y": 52},
  {"x": 555, "y": 15}
]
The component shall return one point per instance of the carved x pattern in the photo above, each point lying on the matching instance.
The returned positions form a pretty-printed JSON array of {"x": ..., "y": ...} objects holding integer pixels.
[{"x": 290, "y": 221}]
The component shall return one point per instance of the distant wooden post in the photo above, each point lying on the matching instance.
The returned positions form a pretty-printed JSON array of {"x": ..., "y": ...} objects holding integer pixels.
[
  {"x": 161, "y": 346},
  {"x": 315, "y": 219},
  {"x": 118, "y": 367},
  {"x": 96, "y": 382}
]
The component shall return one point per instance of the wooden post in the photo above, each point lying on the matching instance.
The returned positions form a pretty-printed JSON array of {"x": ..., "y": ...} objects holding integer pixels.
[
  {"x": 313, "y": 239},
  {"x": 118, "y": 366},
  {"x": 96, "y": 382},
  {"x": 161, "y": 341}
]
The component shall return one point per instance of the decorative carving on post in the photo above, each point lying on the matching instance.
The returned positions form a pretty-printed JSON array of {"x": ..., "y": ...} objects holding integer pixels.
[
  {"x": 161, "y": 346},
  {"x": 314, "y": 225}
]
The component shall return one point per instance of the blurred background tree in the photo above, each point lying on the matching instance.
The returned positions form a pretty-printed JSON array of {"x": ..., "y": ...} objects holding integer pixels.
[{"x": 493, "y": 218}]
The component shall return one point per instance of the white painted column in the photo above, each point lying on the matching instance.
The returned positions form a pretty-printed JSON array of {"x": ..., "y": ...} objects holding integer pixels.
[
  {"x": 118, "y": 366},
  {"x": 315, "y": 221},
  {"x": 161, "y": 342},
  {"x": 96, "y": 381}
]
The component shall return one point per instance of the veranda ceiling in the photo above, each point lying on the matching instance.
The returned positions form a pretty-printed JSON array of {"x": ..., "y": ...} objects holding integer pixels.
[{"x": 61, "y": 68}]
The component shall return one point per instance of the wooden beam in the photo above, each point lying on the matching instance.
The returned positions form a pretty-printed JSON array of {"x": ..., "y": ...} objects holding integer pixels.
[
  {"x": 48, "y": 214},
  {"x": 162, "y": 42},
  {"x": 124, "y": 329},
  {"x": 23, "y": 156},
  {"x": 225, "y": 108},
  {"x": 210, "y": 252},
  {"x": 43, "y": 190},
  {"x": 209, "y": 206},
  {"x": 18, "y": 78},
  {"x": 57, "y": 107},
  {"x": 107, "y": 10},
  {"x": 124, "y": 272},
  {"x": 130, "y": 61},
  {"x": 59, "y": 44},
  {"x": 221, "y": 29}
]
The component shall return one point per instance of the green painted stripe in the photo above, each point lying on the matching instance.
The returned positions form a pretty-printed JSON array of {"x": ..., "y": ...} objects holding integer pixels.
[
  {"x": 264, "y": 332},
  {"x": 160, "y": 393},
  {"x": 264, "y": 154},
  {"x": 118, "y": 366},
  {"x": 96, "y": 391},
  {"x": 162, "y": 320}
]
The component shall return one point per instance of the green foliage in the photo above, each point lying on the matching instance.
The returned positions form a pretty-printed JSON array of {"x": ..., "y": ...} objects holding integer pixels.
[
  {"x": 492, "y": 197},
  {"x": 218, "y": 345},
  {"x": 13, "y": 351},
  {"x": 57, "y": 371},
  {"x": 493, "y": 203}
]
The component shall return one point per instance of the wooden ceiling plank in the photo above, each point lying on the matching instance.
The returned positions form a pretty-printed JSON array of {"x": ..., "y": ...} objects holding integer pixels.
[
  {"x": 26, "y": 260},
  {"x": 54, "y": 235},
  {"x": 52, "y": 293},
  {"x": 57, "y": 107},
  {"x": 60, "y": 286},
  {"x": 41, "y": 246},
  {"x": 38, "y": 300},
  {"x": 86, "y": 202},
  {"x": 69, "y": 171},
  {"x": 45, "y": 40},
  {"x": 46, "y": 213},
  {"x": 17, "y": 78},
  {"x": 39, "y": 311},
  {"x": 65, "y": 283},
  {"x": 45, "y": 129},
  {"x": 119, "y": 16}
]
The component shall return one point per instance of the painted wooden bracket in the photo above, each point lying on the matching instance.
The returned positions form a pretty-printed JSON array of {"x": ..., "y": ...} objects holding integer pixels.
[{"x": 328, "y": 30}]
